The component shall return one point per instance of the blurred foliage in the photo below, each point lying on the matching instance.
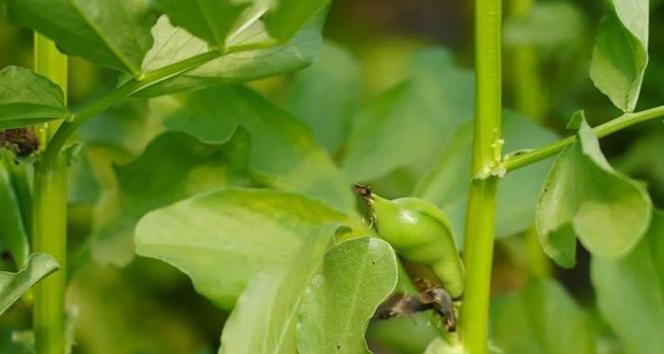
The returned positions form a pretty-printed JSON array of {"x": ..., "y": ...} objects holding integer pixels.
[
  {"x": 638, "y": 280},
  {"x": 383, "y": 103},
  {"x": 541, "y": 319}
]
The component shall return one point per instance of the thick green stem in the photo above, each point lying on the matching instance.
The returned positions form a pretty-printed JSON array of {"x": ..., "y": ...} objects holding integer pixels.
[
  {"x": 516, "y": 161},
  {"x": 481, "y": 213},
  {"x": 478, "y": 256},
  {"x": 52, "y": 64},
  {"x": 49, "y": 235},
  {"x": 49, "y": 217}
]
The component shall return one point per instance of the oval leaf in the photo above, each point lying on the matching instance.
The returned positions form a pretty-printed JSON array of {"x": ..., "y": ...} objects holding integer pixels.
[
  {"x": 630, "y": 292},
  {"x": 13, "y": 285},
  {"x": 217, "y": 21},
  {"x": 419, "y": 114},
  {"x": 244, "y": 63},
  {"x": 265, "y": 318},
  {"x": 108, "y": 33},
  {"x": 236, "y": 233},
  {"x": 287, "y": 16},
  {"x": 27, "y": 98},
  {"x": 211, "y": 20},
  {"x": 283, "y": 152},
  {"x": 357, "y": 276},
  {"x": 584, "y": 196},
  {"x": 335, "y": 79},
  {"x": 620, "y": 55},
  {"x": 173, "y": 166}
]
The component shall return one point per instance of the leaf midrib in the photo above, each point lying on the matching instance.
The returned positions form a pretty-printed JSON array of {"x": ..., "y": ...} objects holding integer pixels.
[
  {"x": 361, "y": 271},
  {"x": 124, "y": 60}
]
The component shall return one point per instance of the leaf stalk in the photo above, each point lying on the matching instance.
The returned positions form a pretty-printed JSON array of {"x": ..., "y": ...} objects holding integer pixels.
[
  {"x": 515, "y": 161},
  {"x": 136, "y": 85}
]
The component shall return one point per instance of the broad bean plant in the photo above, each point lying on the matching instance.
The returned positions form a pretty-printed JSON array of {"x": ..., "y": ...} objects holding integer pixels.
[{"x": 274, "y": 211}]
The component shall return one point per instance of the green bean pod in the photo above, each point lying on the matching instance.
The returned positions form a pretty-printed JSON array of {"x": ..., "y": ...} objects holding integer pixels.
[{"x": 421, "y": 233}]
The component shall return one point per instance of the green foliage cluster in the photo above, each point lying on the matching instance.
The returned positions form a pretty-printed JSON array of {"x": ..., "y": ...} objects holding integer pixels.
[{"x": 246, "y": 189}]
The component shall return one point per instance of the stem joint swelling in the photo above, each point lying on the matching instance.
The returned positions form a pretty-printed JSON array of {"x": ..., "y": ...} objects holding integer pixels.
[{"x": 496, "y": 166}]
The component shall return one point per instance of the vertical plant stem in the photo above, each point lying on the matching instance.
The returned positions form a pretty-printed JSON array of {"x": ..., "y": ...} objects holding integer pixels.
[
  {"x": 52, "y": 64},
  {"x": 49, "y": 236},
  {"x": 527, "y": 89},
  {"x": 481, "y": 213},
  {"x": 538, "y": 262},
  {"x": 49, "y": 216}
]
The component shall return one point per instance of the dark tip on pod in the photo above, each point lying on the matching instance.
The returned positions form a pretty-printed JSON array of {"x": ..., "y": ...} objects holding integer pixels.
[{"x": 363, "y": 191}]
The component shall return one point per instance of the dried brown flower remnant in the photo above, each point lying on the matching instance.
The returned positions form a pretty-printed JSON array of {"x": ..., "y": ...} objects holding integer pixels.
[
  {"x": 430, "y": 297},
  {"x": 22, "y": 141}
]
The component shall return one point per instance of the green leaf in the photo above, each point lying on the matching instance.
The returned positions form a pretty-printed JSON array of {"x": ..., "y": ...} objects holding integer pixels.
[
  {"x": 218, "y": 21},
  {"x": 246, "y": 60},
  {"x": 541, "y": 319},
  {"x": 174, "y": 166},
  {"x": 211, "y": 20},
  {"x": 446, "y": 183},
  {"x": 266, "y": 316},
  {"x": 584, "y": 196},
  {"x": 13, "y": 285},
  {"x": 357, "y": 276},
  {"x": 334, "y": 79},
  {"x": 620, "y": 55},
  {"x": 115, "y": 34},
  {"x": 283, "y": 153},
  {"x": 114, "y": 137},
  {"x": 575, "y": 122},
  {"x": 630, "y": 292},
  {"x": 13, "y": 235},
  {"x": 287, "y": 16},
  {"x": 236, "y": 233},
  {"x": 411, "y": 122},
  {"x": 27, "y": 98}
]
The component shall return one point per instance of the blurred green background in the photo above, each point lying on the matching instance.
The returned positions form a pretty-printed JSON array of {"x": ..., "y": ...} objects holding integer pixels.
[{"x": 374, "y": 48}]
